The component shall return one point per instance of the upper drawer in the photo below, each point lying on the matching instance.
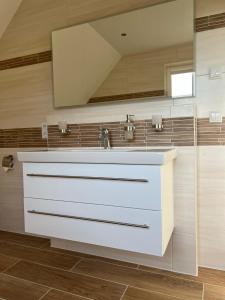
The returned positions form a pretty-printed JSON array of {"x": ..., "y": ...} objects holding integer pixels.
[{"x": 117, "y": 185}]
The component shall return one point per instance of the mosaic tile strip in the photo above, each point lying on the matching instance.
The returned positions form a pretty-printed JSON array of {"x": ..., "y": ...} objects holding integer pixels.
[
  {"x": 210, "y": 22},
  {"x": 177, "y": 132},
  {"x": 22, "y": 138},
  {"x": 210, "y": 133}
]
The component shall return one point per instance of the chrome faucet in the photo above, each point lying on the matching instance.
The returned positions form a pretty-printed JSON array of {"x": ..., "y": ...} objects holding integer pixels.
[{"x": 104, "y": 138}]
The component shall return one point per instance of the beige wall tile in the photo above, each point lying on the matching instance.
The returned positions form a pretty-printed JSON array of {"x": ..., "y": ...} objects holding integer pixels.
[
  {"x": 184, "y": 254},
  {"x": 209, "y": 7},
  {"x": 210, "y": 47},
  {"x": 26, "y": 96},
  {"x": 211, "y": 206}
]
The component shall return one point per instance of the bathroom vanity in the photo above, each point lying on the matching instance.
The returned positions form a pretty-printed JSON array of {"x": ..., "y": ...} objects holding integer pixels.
[{"x": 116, "y": 198}]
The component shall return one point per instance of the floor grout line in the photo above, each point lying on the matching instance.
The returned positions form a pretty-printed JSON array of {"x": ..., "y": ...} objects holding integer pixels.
[
  {"x": 82, "y": 297},
  {"x": 45, "y": 294},
  {"x": 159, "y": 293},
  {"x": 76, "y": 264},
  {"x": 11, "y": 266},
  {"x": 121, "y": 298}
]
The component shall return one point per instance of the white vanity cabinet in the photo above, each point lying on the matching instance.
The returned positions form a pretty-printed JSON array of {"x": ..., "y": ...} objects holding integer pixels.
[{"x": 123, "y": 206}]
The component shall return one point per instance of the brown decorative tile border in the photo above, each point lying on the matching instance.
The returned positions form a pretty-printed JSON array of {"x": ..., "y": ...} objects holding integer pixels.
[
  {"x": 177, "y": 132},
  {"x": 157, "y": 93},
  {"x": 26, "y": 60},
  {"x": 210, "y": 22},
  {"x": 210, "y": 133},
  {"x": 22, "y": 138}
]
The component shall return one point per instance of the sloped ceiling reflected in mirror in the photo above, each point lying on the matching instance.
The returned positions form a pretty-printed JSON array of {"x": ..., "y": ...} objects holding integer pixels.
[
  {"x": 121, "y": 55},
  {"x": 89, "y": 60}
]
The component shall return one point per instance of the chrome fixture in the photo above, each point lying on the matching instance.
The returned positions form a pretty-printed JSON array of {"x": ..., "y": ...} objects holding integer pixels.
[
  {"x": 157, "y": 123},
  {"x": 104, "y": 138},
  {"x": 129, "y": 128},
  {"x": 63, "y": 128}
]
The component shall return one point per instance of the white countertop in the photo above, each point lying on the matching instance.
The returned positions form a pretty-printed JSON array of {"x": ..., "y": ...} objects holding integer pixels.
[{"x": 101, "y": 156}]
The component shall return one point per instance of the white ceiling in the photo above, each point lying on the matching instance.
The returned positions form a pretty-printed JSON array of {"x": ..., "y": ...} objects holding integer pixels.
[
  {"x": 150, "y": 28},
  {"x": 7, "y": 10}
]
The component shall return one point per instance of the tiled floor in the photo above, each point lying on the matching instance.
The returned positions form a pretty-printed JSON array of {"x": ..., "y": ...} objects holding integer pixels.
[{"x": 31, "y": 270}]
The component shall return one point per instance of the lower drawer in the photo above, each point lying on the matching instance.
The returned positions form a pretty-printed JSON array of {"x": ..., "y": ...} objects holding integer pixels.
[{"x": 121, "y": 228}]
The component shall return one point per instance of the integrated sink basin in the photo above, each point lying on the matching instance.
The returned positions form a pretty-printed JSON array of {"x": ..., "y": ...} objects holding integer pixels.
[{"x": 101, "y": 156}]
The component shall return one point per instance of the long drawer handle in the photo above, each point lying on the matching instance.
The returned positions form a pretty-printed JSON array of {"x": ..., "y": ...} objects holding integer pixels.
[
  {"x": 88, "y": 219},
  {"x": 89, "y": 177}
]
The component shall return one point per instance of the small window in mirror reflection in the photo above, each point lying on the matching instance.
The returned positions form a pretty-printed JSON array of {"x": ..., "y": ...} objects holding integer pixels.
[{"x": 182, "y": 85}]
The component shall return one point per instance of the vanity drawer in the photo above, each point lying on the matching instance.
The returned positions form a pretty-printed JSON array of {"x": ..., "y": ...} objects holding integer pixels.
[
  {"x": 121, "y": 228},
  {"x": 116, "y": 185}
]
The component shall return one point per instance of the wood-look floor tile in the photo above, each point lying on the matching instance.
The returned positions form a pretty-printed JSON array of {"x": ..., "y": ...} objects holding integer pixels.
[
  {"x": 145, "y": 280},
  {"x": 136, "y": 294},
  {"x": 14, "y": 289},
  {"x": 58, "y": 295},
  {"x": 212, "y": 292},
  {"x": 211, "y": 276},
  {"x": 38, "y": 255},
  {"x": 22, "y": 239},
  {"x": 84, "y": 255},
  {"x": 168, "y": 273},
  {"x": 6, "y": 261},
  {"x": 77, "y": 284}
]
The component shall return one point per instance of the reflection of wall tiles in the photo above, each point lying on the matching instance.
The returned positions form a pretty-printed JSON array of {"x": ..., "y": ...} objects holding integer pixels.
[{"x": 156, "y": 93}]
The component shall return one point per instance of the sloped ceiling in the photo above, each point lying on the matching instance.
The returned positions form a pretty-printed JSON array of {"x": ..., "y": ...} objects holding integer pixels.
[{"x": 7, "y": 10}]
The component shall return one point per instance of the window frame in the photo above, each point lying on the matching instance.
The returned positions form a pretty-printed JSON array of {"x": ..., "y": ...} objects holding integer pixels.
[{"x": 178, "y": 68}]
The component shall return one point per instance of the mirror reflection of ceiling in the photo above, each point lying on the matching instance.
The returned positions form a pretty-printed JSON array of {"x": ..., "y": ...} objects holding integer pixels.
[
  {"x": 147, "y": 29},
  {"x": 122, "y": 57}
]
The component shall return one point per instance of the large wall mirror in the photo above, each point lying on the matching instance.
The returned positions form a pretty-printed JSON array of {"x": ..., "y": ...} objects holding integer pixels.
[{"x": 141, "y": 54}]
